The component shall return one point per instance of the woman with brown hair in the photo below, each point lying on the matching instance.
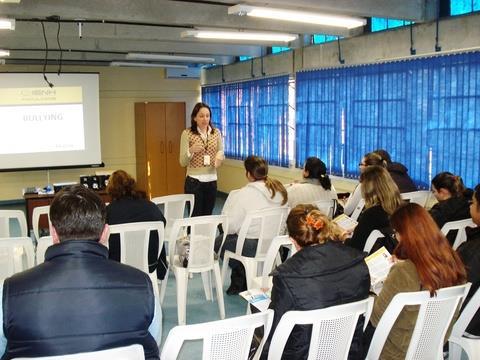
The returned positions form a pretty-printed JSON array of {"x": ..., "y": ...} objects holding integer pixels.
[
  {"x": 324, "y": 272},
  {"x": 370, "y": 159},
  {"x": 128, "y": 205},
  {"x": 425, "y": 261},
  {"x": 381, "y": 197},
  {"x": 261, "y": 192},
  {"x": 201, "y": 152}
]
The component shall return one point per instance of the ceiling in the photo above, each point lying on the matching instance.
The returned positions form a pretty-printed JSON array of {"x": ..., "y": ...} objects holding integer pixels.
[{"x": 112, "y": 28}]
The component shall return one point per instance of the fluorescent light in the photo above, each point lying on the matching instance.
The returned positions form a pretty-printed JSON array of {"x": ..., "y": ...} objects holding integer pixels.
[
  {"x": 141, "y": 64},
  {"x": 167, "y": 57},
  {"x": 298, "y": 16},
  {"x": 4, "y": 52},
  {"x": 239, "y": 35},
  {"x": 10, "y": 1},
  {"x": 7, "y": 24}
]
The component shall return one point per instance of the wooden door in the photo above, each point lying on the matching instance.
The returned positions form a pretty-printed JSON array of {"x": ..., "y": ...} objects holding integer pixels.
[
  {"x": 175, "y": 124},
  {"x": 155, "y": 149}
]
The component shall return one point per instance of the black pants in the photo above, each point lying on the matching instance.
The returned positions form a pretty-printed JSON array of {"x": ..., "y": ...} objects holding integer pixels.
[{"x": 205, "y": 195}]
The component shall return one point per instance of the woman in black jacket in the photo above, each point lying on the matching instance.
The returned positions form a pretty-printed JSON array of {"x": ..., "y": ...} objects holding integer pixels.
[
  {"x": 323, "y": 273},
  {"x": 131, "y": 205}
]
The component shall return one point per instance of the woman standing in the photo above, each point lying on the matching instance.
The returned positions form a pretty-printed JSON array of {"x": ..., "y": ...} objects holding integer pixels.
[
  {"x": 324, "y": 272},
  {"x": 316, "y": 184},
  {"x": 201, "y": 151},
  {"x": 425, "y": 262},
  {"x": 381, "y": 197},
  {"x": 131, "y": 205}
]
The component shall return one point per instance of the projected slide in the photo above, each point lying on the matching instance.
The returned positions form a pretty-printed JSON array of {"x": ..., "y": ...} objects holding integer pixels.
[{"x": 38, "y": 120}]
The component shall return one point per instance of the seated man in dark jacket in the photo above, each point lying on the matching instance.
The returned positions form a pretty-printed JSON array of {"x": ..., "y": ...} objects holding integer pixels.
[{"x": 78, "y": 300}]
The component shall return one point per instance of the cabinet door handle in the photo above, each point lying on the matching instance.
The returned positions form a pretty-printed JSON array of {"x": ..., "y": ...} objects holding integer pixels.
[
  {"x": 170, "y": 147},
  {"x": 162, "y": 147}
]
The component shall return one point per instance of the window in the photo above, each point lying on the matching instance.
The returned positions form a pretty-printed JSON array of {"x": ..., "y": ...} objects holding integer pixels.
[
  {"x": 244, "y": 58},
  {"x": 379, "y": 24},
  {"x": 279, "y": 49},
  {"x": 253, "y": 117},
  {"x": 458, "y": 7},
  {"x": 425, "y": 112},
  {"x": 321, "y": 38}
]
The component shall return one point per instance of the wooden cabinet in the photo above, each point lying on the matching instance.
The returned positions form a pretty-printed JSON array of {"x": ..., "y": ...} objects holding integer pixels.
[{"x": 158, "y": 127}]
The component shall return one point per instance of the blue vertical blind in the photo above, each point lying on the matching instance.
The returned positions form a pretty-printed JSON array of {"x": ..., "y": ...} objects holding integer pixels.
[
  {"x": 380, "y": 24},
  {"x": 458, "y": 7},
  {"x": 425, "y": 112},
  {"x": 253, "y": 118}
]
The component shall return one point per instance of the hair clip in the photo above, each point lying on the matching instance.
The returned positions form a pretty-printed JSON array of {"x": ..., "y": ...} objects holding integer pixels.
[{"x": 316, "y": 224}]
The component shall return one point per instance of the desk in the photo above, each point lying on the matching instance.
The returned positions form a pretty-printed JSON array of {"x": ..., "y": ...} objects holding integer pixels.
[{"x": 34, "y": 200}]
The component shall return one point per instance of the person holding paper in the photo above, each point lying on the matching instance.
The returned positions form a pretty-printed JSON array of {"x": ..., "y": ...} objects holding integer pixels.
[
  {"x": 425, "y": 261},
  {"x": 201, "y": 152},
  {"x": 324, "y": 272},
  {"x": 382, "y": 198}
]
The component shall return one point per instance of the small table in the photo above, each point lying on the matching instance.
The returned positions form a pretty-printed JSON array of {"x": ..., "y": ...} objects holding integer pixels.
[{"x": 34, "y": 200}]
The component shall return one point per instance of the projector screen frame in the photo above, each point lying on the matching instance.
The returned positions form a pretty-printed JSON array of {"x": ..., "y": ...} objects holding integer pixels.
[{"x": 66, "y": 166}]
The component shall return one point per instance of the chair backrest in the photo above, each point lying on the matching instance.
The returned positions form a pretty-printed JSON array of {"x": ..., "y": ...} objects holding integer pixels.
[
  {"x": 224, "y": 339},
  {"x": 420, "y": 197},
  {"x": 132, "y": 352},
  {"x": 36, "y": 214},
  {"x": 5, "y": 216},
  {"x": 203, "y": 231},
  {"x": 434, "y": 317},
  {"x": 134, "y": 240},
  {"x": 460, "y": 226},
  {"x": 332, "y": 329},
  {"x": 372, "y": 238},
  {"x": 23, "y": 251},
  {"x": 270, "y": 222},
  {"x": 358, "y": 209},
  {"x": 174, "y": 206},
  {"x": 42, "y": 245},
  {"x": 466, "y": 315},
  {"x": 269, "y": 264},
  {"x": 326, "y": 206},
  {"x": 7, "y": 261}
]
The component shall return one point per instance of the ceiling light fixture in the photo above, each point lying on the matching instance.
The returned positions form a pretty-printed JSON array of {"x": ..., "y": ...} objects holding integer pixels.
[
  {"x": 306, "y": 17},
  {"x": 10, "y": 1},
  {"x": 4, "y": 53},
  {"x": 142, "y": 64},
  {"x": 168, "y": 57},
  {"x": 7, "y": 24},
  {"x": 239, "y": 35}
]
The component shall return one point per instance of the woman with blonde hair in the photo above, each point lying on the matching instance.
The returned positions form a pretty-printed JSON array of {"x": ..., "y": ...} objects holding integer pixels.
[
  {"x": 261, "y": 192},
  {"x": 324, "y": 272},
  {"x": 382, "y": 198},
  {"x": 369, "y": 159},
  {"x": 425, "y": 261}
]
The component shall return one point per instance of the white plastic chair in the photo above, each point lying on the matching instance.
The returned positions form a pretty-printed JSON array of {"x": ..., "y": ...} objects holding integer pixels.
[
  {"x": 42, "y": 245},
  {"x": 5, "y": 216},
  {"x": 332, "y": 329},
  {"x": 36, "y": 214},
  {"x": 23, "y": 251},
  {"x": 420, "y": 197},
  {"x": 203, "y": 230},
  {"x": 434, "y": 318},
  {"x": 224, "y": 339},
  {"x": 134, "y": 240},
  {"x": 326, "y": 206},
  {"x": 460, "y": 226},
  {"x": 458, "y": 340},
  {"x": 358, "y": 209},
  {"x": 132, "y": 352},
  {"x": 271, "y": 259},
  {"x": 174, "y": 208},
  {"x": 271, "y": 222},
  {"x": 372, "y": 238}
]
